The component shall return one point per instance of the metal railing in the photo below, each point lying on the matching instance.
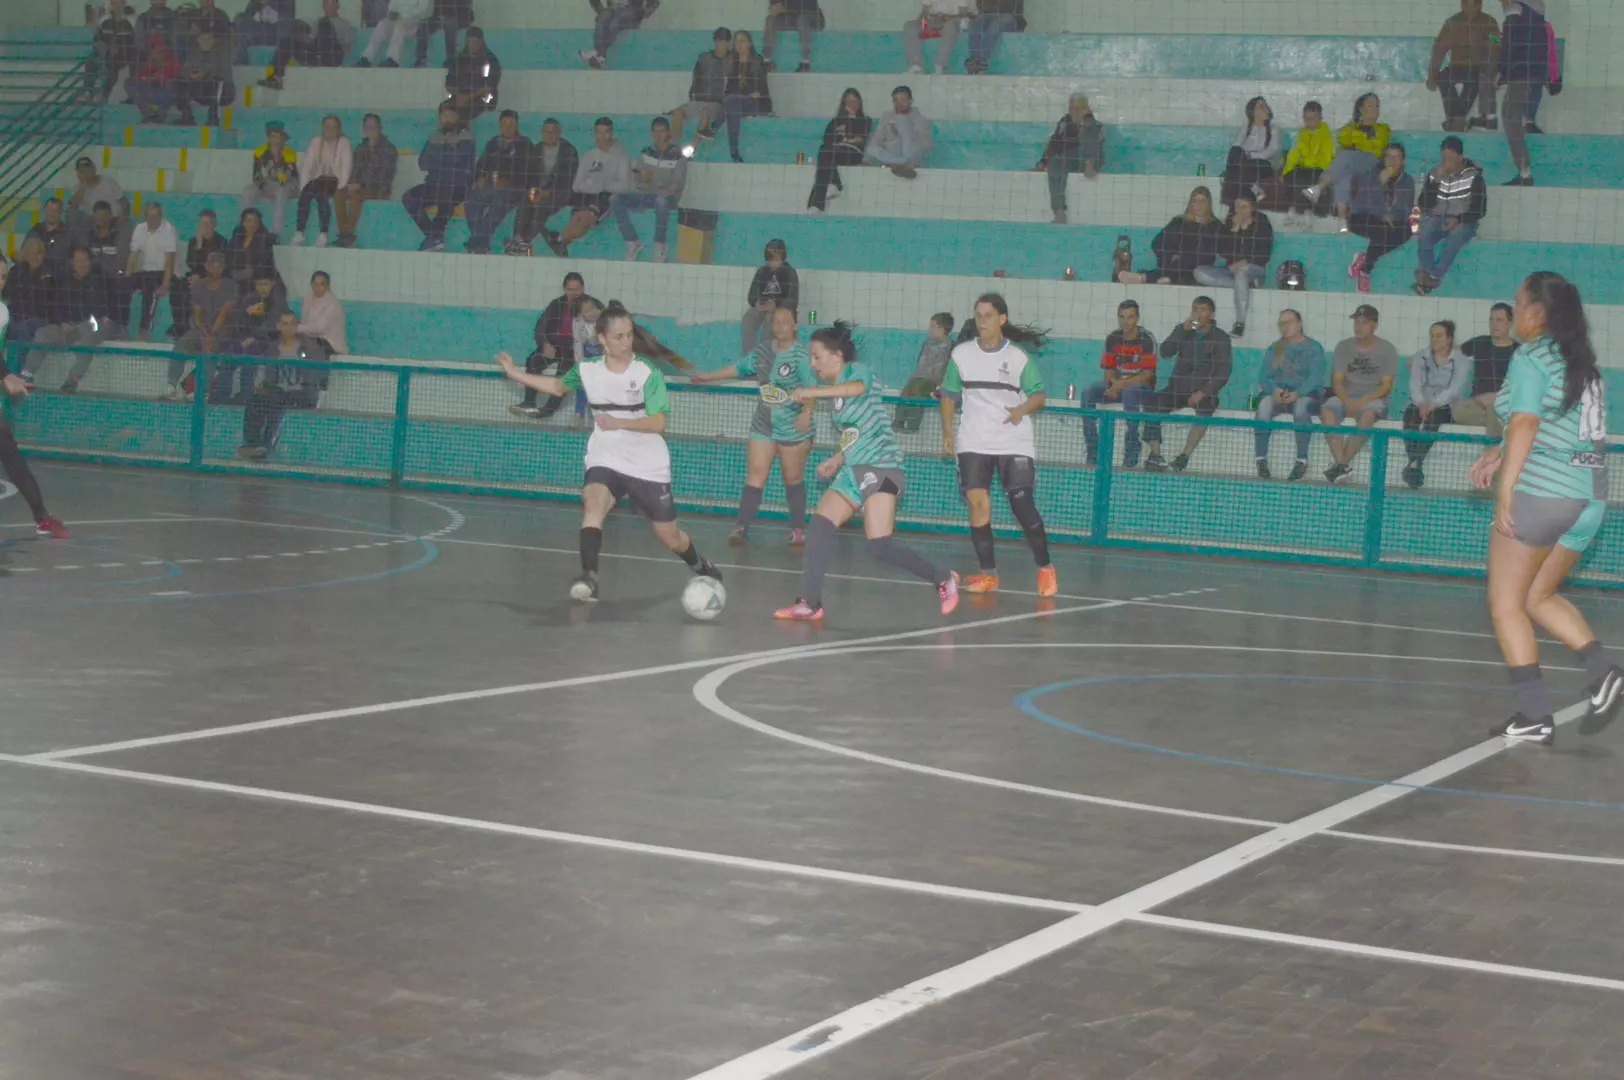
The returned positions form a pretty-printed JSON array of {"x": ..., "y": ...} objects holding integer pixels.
[{"x": 49, "y": 112}]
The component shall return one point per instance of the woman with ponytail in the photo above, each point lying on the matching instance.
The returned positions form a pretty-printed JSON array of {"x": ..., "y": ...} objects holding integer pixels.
[
  {"x": 866, "y": 472},
  {"x": 1550, "y": 474}
]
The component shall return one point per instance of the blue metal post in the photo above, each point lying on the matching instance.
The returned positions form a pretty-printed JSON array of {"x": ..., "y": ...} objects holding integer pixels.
[
  {"x": 403, "y": 408},
  {"x": 1099, "y": 522},
  {"x": 202, "y": 375},
  {"x": 1377, "y": 498}
]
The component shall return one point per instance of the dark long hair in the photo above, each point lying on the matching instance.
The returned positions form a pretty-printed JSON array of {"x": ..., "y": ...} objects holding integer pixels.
[
  {"x": 644, "y": 344},
  {"x": 838, "y": 338},
  {"x": 1565, "y": 324},
  {"x": 850, "y": 91},
  {"x": 1359, "y": 105},
  {"x": 1019, "y": 333},
  {"x": 1268, "y": 125}
]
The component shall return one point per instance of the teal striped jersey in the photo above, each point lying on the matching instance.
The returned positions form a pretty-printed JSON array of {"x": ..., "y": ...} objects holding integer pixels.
[
  {"x": 1569, "y": 458},
  {"x": 787, "y": 370},
  {"x": 865, "y": 426}
]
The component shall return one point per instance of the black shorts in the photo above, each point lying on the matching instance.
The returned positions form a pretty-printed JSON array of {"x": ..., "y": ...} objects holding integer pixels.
[
  {"x": 597, "y": 205},
  {"x": 1014, "y": 471},
  {"x": 651, "y": 498}
]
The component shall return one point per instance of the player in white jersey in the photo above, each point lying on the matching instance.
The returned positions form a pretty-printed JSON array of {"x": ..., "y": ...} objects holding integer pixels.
[
  {"x": 626, "y": 454},
  {"x": 11, "y": 458},
  {"x": 1001, "y": 389}
]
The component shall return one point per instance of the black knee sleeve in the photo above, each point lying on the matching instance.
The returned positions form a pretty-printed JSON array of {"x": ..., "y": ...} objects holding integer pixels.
[{"x": 1025, "y": 509}]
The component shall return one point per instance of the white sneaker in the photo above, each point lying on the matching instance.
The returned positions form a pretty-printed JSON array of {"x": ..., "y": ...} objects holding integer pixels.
[
  {"x": 321, "y": 239},
  {"x": 659, "y": 253},
  {"x": 297, "y": 239},
  {"x": 588, "y": 55},
  {"x": 634, "y": 248},
  {"x": 940, "y": 70},
  {"x": 1312, "y": 193},
  {"x": 172, "y": 393},
  {"x": 916, "y": 69}
]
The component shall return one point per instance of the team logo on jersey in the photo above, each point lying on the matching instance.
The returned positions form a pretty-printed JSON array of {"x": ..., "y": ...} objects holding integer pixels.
[
  {"x": 785, "y": 370},
  {"x": 1003, "y": 369},
  {"x": 870, "y": 479},
  {"x": 840, "y": 403}
]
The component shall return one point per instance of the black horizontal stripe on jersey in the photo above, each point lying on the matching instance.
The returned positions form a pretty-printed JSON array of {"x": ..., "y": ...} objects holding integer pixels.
[
  {"x": 607, "y": 407},
  {"x": 1011, "y": 387}
]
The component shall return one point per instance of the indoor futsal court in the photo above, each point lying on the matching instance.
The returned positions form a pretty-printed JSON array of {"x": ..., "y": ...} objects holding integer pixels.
[{"x": 333, "y": 782}]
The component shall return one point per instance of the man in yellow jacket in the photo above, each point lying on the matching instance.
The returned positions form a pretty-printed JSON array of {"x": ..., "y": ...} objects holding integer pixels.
[{"x": 1309, "y": 157}]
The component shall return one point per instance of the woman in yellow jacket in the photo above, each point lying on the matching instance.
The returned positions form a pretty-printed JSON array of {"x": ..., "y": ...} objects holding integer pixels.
[
  {"x": 1310, "y": 156},
  {"x": 1360, "y": 145}
]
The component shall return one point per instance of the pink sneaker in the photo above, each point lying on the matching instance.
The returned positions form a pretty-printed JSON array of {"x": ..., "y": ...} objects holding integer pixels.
[
  {"x": 1363, "y": 282},
  {"x": 1357, "y": 267},
  {"x": 800, "y": 611},
  {"x": 949, "y": 592},
  {"x": 797, "y": 538},
  {"x": 52, "y": 527}
]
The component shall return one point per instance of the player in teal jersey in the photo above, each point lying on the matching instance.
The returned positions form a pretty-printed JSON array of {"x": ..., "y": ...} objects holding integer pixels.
[
  {"x": 780, "y": 429},
  {"x": 1550, "y": 474},
  {"x": 867, "y": 475}
]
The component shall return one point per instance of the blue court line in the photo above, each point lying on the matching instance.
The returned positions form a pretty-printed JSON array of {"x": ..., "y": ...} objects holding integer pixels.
[{"x": 1026, "y": 703}]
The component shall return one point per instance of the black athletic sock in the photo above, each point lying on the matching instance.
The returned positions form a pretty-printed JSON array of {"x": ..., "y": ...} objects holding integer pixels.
[
  {"x": 690, "y": 555},
  {"x": 18, "y": 472},
  {"x": 1037, "y": 538},
  {"x": 906, "y": 558},
  {"x": 820, "y": 549},
  {"x": 1595, "y": 659},
  {"x": 981, "y": 539},
  {"x": 749, "y": 505},
  {"x": 1031, "y": 522},
  {"x": 1533, "y": 701},
  {"x": 795, "y": 496},
  {"x": 591, "y": 545}
]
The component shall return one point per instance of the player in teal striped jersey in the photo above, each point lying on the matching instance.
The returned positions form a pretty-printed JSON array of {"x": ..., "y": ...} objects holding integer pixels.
[
  {"x": 866, "y": 473},
  {"x": 1551, "y": 468}
]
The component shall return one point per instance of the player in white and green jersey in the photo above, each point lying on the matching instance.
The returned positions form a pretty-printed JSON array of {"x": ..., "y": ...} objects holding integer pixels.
[
  {"x": 866, "y": 472},
  {"x": 1551, "y": 476},
  {"x": 781, "y": 429},
  {"x": 626, "y": 454}
]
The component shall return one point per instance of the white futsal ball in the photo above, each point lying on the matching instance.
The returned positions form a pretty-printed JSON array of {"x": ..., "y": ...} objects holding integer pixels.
[{"x": 704, "y": 598}]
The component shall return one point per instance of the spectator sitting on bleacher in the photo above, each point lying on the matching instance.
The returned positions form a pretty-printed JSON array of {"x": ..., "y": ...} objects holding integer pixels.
[
  {"x": 1077, "y": 145},
  {"x": 1246, "y": 244},
  {"x": 30, "y": 295},
  {"x": 611, "y": 18},
  {"x": 325, "y": 168},
  {"x": 205, "y": 241},
  {"x": 94, "y": 188},
  {"x": 747, "y": 91},
  {"x": 155, "y": 22},
  {"x": 153, "y": 245},
  {"x": 554, "y": 168},
  {"x": 447, "y": 161},
  {"x": 1310, "y": 155},
  {"x": 450, "y": 16},
  {"x": 1292, "y": 378},
  {"x": 153, "y": 88},
  {"x": 802, "y": 16},
  {"x": 1254, "y": 157},
  {"x": 1363, "y": 371},
  {"x": 54, "y": 233},
  {"x": 844, "y": 140},
  {"x": 1491, "y": 356},
  {"x": 1128, "y": 366},
  {"x": 327, "y": 46},
  {"x": 997, "y": 18},
  {"x": 503, "y": 175},
  {"x": 114, "y": 52},
  {"x": 264, "y": 22},
  {"x": 658, "y": 176},
  {"x": 206, "y": 16},
  {"x": 707, "y": 90},
  {"x": 275, "y": 176},
  {"x": 251, "y": 251},
  {"x": 604, "y": 172},
  {"x": 372, "y": 176},
  {"x": 254, "y": 318},
  {"x": 1205, "y": 360},
  {"x": 939, "y": 18},
  {"x": 398, "y": 23},
  {"x": 1361, "y": 143},
  {"x": 213, "y": 309},
  {"x": 555, "y": 344},
  {"x": 926, "y": 380},
  {"x": 1440, "y": 376},
  {"x": 1454, "y": 199},
  {"x": 322, "y": 316},
  {"x": 902, "y": 138},
  {"x": 85, "y": 316},
  {"x": 280, "y": 387},
  {"x": 108, "y": 241},
  {"x": 473, "y": 77},
  {"x": 775, "y": 285},
  {"x": 205, "y": 79},
  {"x": 1381, "y": 213},
  {"x": 1465, "y": 56},
  {"x": 1188, "y": 241}
]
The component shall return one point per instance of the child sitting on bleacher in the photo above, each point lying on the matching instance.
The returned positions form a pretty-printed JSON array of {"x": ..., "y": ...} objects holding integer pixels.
[
  {"x": 926, "y": 379},
  {"x": 587, "y": 345}
]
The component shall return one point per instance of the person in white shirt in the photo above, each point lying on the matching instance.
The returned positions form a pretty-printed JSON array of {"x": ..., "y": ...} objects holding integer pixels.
[
  {"x": 902, "y": 139},
  {"x": 1001, "y": 388},
  {"x": 399, "y": 23},
  {"x": 1254, "y": 156},
  {"x": 938, "y": 17},
  {"x": 323, "y": 170},
  {"x": 152, "y": 262}
]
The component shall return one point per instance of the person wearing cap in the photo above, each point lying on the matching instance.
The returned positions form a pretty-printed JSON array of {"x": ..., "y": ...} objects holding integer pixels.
[
  {"x": 707, "y": 90},
  {"x": 399, "y": 22},
  {"x": 86, "y": 316},
  {"x": 802, "y": 16},
  {"x": 214, "y": 299},
  {"x": 327, "y": 46},
  {"x": 503, "y": 175},
  {"x": 940, "y": 19},
  {"x": 276, "y": 176},
  {"x": 1363, "y": 370},
  {"x": 325, "y": 167},
  {"x": 556, "y": 161},
  {"x": 205, "y": 79},
  {"x": 1454, "y": 199},
  {"x": 775, "y": 285},
  {"x": 473, "y": 77},
  {"x": 611, "y": 18},
  {"x": 658, "y": 176},
  {"x": 1464, "y": 58},
  {"x": 902, "y": 137},
  {"x": 94, "y": 188},
  {"x": 447, "y": 161}
]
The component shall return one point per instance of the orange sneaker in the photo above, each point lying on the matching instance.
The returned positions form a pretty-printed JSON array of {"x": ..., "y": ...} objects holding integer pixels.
[
  {"x": 800, "y": 611},
  {"x": 1048, "y": 583},
  {"x": 983, "y": 582}
]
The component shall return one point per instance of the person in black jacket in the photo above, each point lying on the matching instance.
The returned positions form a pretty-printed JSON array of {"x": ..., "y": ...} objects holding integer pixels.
[
  {"x": 1077, "y": 145},
  {"x": 1246, "y": 245},
  {"x": 325, "y": 46},
  {"x": 1525, "y": 63},
  {"x": 746, "y": 89},
  {"x": 205, "y": 242},
  {"x": 1188, "y": 241},
  {"x": 251, "y": 250},
  {"x": 1206, "y": 358},
  {"x": 84, "y": 316},
  {"x": 611, "y": 19},
  {"x": 555, "y": 344},
  {"x": 12, "y": 463},
  {"x": 1453, "y": 200},
  {"x": 553, "y": 181},
  {"x": 115, "y": 51},
  {"x": 54, "y": 233},
  {"x": 473, "y": 77},
  {"x": 30, "y": 294},
  {"x": 775, "y": 285},
  {"x": 503, "y": 176},
  {"x": 707, "y": 89},
  {"x": 844, "y": 140},
  {"x": 292, "y": 380}
]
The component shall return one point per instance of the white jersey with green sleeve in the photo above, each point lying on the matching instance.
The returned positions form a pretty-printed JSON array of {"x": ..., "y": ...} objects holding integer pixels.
[
  {"x": 1569, "y": 457},
  {"x": 991, "y": 384},
  {"x": 631, "y": 394}
]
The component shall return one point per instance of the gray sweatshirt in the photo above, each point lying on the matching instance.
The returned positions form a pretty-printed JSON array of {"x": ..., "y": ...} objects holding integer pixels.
[
  {"x": 604, "y": 171},
  {"x": 887, "y": 134},
  {"x": 1440, "y": 384},
  {"x": 667, "y": 172}
]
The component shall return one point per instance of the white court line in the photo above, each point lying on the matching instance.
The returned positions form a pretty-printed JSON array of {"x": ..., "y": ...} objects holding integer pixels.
[
  {"x": 551, "y": 684},
  {"x": 844, "y": 1028},
  {"x": 114, "y": 521}
]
